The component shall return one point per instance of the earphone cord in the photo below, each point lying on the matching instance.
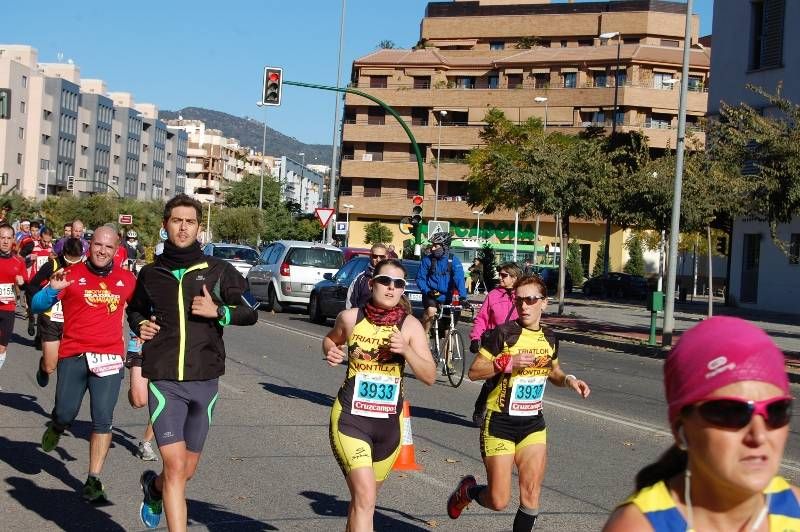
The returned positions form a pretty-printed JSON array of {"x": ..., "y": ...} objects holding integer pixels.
[{"x": 687, "y": 495}]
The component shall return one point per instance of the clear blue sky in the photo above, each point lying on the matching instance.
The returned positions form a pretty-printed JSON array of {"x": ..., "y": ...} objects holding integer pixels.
[{"x": 211, "y": 54}]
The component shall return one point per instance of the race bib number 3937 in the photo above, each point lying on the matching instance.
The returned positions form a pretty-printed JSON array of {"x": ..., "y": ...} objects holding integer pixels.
[
  {"x": 526, "y": 396},
  {"x": 375, "y": 395},
  {"x": 102, "y": 364}
]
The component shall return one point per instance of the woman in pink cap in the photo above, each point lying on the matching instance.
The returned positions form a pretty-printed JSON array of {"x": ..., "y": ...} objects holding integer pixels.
[{"x": 729, "y": 411}]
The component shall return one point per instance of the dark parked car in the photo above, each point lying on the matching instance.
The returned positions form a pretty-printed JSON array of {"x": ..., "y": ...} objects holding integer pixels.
[
  {"x": 550, "y": 278},
  {"x": 329, "y": 295},
  {"x": 616, "y": 284}
]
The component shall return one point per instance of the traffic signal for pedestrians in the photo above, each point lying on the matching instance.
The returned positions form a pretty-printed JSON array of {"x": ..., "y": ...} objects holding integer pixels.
[
  {"x": 722, "y": 245},
  {"x": 273, "y": 84},
  {"x": 416, "y": 211}
]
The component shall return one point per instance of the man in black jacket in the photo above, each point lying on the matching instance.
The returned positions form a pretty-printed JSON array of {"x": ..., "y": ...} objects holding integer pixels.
[
  {"x": 180, "y": 306},
  {"x": 359, "y": 292}
]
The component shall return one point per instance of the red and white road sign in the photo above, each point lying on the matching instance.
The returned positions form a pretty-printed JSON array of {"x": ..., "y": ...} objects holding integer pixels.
[
  {"x": 125, "y": 219},
  {"x": 324, "y": 215}
]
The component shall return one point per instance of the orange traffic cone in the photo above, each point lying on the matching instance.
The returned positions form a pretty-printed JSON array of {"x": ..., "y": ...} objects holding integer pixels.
[{"x": 405, "y": 460}]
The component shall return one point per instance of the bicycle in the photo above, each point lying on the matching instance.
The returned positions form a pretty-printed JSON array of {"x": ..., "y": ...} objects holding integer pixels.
[{"x": 448, "y": 347}]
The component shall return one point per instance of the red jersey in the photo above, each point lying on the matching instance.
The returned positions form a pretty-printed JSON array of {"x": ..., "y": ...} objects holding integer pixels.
[
  {"x": 94, "y": 309},
  {"x": 120, "y": 256},
  {"x": 10, "y": 267},
  {"x": 38, "y": 258}
]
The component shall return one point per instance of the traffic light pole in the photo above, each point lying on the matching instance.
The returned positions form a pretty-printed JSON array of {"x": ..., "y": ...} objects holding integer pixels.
[
  {"x": 391, "y": 111},
  {"x": 102, "y": 183}
]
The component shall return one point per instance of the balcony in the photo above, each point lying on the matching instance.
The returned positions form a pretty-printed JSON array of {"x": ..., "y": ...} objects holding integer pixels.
[{"x": 402, "y": 169}]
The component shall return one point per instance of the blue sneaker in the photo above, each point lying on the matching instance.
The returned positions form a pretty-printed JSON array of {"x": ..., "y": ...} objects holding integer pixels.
[{"x": 151, "y": 508}]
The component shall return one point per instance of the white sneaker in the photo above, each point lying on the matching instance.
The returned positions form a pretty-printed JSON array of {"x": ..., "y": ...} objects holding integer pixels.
[{"x": 146, "y": 452}]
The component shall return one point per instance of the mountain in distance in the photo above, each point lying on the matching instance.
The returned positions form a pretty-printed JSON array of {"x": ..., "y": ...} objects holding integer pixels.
[{"x": 250, "y": 133}]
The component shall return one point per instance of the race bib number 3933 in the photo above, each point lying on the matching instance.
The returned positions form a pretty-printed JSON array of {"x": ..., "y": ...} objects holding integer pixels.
[
  {"x": 526, "y": 396},
  {"x": 102, "y": 364},
  {"x": 375, "y": 395}
]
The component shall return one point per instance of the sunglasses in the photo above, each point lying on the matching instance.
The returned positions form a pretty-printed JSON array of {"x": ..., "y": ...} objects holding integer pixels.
[
  {"x": 379, "y": 257},
  {"x": 528, "y": 300},
  {"x": 385, "y": 280},
  {"x": 503, "y": 275},
  {"x": 736, "y": 413}
]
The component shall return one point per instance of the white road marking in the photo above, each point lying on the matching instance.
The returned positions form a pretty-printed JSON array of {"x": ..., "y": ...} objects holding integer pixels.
[{"x": 790, "y": 465}]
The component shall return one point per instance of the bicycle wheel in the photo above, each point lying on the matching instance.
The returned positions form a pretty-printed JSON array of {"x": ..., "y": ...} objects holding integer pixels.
[{"x": 454, "y": 358}]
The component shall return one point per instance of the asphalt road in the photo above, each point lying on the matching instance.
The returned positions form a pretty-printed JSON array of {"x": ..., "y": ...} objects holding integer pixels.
[{"x": 267, "y": 464}]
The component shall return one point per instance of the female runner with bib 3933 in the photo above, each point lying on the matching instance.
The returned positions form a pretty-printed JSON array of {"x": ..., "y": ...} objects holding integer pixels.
[{"x": 366, "y": 426}]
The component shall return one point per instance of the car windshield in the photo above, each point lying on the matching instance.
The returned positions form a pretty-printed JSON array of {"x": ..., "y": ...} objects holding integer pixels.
[
  {"x": 412, "y": 271},
  {"x": 235, "y": 253},
  {"x": 315, "y": 257}
]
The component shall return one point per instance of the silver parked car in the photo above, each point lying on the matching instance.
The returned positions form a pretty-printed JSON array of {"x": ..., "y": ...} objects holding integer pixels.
[
  {"x": 241, "y": 257},
  {"x": 287, "y": 271}
]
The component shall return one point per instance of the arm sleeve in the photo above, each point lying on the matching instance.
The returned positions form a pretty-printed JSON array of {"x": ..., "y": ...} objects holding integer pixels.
[
  {"x": 43, "y": 300},
  {"x": 35, "y": 284},
  {"x": 235, "y": 293},
  {"x": 140, "y": 306},
  {"x": 422, "y": 275},
  {"x": 481, "y": 320},
  {"x": 458, "y": 274}
]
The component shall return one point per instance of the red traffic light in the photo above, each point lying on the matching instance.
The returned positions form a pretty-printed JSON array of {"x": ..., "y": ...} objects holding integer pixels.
[
  {"x": 417, "y": 200},
  {"x": 274, "y": 76}
]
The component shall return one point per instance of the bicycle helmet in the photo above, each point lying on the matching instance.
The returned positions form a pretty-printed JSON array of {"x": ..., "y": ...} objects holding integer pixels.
[
  {"x": 441, "y": 238},
  {"x": 132, "y": 234}
]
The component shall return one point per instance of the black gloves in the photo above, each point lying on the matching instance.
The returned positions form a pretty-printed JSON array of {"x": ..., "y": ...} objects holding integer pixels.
[
  {"x": 474, "y": 346},
  {"x": 434, "y": 293}
]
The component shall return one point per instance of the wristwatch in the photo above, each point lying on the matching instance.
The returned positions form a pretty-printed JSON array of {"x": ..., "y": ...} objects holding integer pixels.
[{"x": 221, "y": 312}]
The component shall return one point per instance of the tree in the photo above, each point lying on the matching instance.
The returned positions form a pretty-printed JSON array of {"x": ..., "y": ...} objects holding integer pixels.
[
  {"x": 238, "y": 224},
  {"x": 763, "y": 151},
  {"x": 574, "y": 263},
  {"x": 386, "y": 45},
  {"x": 520, "y": 168},
  {"x": 635, "y": 264},
  {"x": 597, "y": 269},
  {"x": 377, "y": 233},
  {"x": 526, "y": 43},
  {"x": 487, "y": 257}
]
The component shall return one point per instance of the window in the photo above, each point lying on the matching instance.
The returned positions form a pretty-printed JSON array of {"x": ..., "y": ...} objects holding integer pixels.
[
  {"x": 497, "y": 45},
  {"x": 465, "y": 82},
  {"x": 422, "y": 82},
  {"x": 622, "y": 78},
  {"x": 116, "y": 139},
  {"x": 412, "y": 186},
  {"x": 19, "y": 158},
  {"x": 659, "y": 121},
  {"x": 696, "y": 83},
  {"x": 372, "y": 188},
  {"x": 630, "y": 40},
  {"x": 514, "y": 81},
  {"x": 347, "y": 152},
  {"x": 570, "y": 79},
  {"x": 376, "y": 116},
  {"x": 46, "y": 114},
  {"x": 563, "y": 44},
  {"x": 21, "y": 133},
  {"x": 493, "y": 81},
  {"x": 346, "y": 186},
  {"x": 24, "y": 82},
  {"x": 419, "y": 116},
  {"x": 600, "y": 79},
  {"x": 663, "y": 81},
  {"x": 143, "y": 187},
  {"x": 585, "y": 42},
  {"x": 794, "y": 248},
  {"x": 670, "y": 43},
  {"x": 374, "y": 151},
  {"x": 83, "y": 150},
  {"x": 44, "y": 164},
  {"x": 84, "y": 127},
  {"x": 541, "y": 80},
  {"x": 45, "y": 138},
  {"x": 766, "y": 33},
  {"x": 378, "y": 82},
  {"x": 22, "y": 107},
  {"x": 82, "y": 173}
]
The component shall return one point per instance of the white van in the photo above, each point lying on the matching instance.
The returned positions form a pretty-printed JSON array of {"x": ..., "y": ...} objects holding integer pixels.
[{"x": 287, "y": 271}]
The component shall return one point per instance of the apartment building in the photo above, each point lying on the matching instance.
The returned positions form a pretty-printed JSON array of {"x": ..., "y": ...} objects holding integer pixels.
[
  {"x": 300, "y": 183},
  {"x": 530, "y": 59},
  {"x": 56, "y": 127},
  {"x": 755, "y": 45}
]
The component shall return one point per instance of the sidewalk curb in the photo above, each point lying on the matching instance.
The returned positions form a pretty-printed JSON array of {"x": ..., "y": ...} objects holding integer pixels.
[{"x": 639, "y": 349}]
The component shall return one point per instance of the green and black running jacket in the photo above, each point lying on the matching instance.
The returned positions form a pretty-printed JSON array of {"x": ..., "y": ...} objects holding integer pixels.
[{"x": 188, "y": 347}]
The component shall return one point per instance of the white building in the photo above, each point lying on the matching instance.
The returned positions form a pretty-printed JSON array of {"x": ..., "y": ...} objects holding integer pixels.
[
  {"x": 755, "y": 42},
  {"x": 300, "y": 184}
]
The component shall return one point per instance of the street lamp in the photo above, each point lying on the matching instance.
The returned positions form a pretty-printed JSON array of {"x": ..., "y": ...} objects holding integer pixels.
[
  {"x": 208, "y": 230},
  {"x": 263, "y": 163},
  {"x": 442, "y": 114},
  {"x": 302, "y": 175},
  {"x": 478, "y": 228},
  {"x": 543, "y": 99},
  {"x": 605, "y": 37},
  {"x": 347, "y": 207}
]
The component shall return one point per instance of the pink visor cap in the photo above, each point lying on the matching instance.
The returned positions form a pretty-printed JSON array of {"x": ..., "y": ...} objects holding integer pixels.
[{"x": 716, "y": 352}]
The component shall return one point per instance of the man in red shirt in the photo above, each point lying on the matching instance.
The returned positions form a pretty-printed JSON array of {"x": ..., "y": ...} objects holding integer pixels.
[
  {"x": 12, "y": 272},
  {"x": 93, "y": 295}
]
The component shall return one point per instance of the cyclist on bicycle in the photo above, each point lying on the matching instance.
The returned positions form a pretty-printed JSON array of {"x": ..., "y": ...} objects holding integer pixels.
[{"x": 439, "y": 274}]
